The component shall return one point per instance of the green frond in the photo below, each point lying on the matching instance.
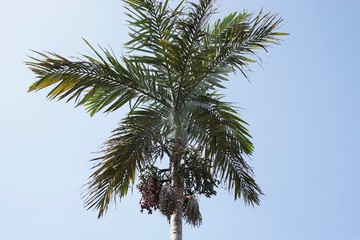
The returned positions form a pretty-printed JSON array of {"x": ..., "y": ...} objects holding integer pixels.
[
  {"x": 135, "y": 143},
  {"x": 152, "y": 24},
  {"x": 231, "y": 44},
  {"x": 218, "y": 127},
  {"x": 102, "y": 84},
  {"x": 192, "y": 32}
]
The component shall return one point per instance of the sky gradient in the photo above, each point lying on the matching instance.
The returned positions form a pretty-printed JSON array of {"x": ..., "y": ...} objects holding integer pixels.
[{"x": 302, "y": 106}]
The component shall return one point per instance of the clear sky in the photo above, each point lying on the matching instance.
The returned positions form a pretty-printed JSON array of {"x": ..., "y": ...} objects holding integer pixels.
[{"x": 303, "y": 108}]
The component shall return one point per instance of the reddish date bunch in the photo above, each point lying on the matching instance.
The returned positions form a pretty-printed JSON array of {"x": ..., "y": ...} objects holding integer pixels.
[{"x": 149, "y": 187}]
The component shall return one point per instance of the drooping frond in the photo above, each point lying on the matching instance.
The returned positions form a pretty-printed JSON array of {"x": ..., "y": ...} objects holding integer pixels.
[
  {"x": 136, "y": 142},
  {"x": 218, "y": 127}
]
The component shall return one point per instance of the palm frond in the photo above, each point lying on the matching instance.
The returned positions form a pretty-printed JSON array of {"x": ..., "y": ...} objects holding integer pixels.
[
  {"x": 97, "y": 84},
  {"x": 232, "y": 44},
  {"x": 152, "y": 24},
  {"x": 239, "y": 35},
  {"x": 135, "y": 143},
  {"x": 190, "y": 41},
  {"x": 153, "y": 30},
  {"x": 217, "y": 127}
]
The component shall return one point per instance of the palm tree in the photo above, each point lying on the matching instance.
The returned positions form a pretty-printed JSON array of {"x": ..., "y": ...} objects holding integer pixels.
[{"x": 176, "y": 62}]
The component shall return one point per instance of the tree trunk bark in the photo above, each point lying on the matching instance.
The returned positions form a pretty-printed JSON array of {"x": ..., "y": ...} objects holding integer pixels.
[
  {"x": 176, "y": 217},
  {"x": 176, "y": 222},
  {"x": 176, "y": 181}
]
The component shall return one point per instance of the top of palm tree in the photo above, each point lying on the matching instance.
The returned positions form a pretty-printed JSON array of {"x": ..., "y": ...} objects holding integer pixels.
[{"x": 177, "y": 61}]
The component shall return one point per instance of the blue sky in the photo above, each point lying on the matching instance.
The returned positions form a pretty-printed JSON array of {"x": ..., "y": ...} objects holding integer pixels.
[{"x": 302, "y": 105}]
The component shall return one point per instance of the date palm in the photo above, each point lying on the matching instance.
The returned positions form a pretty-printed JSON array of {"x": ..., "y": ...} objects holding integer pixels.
[{"x": 176, "y": 62}]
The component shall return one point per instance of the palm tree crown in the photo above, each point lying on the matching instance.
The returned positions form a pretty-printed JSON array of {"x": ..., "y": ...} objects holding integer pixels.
[{"x": 177, "y": 61}]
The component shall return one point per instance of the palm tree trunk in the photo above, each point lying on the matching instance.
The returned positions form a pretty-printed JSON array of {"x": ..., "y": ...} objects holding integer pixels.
[
  {"x": 176, "y": 222},
  {"x": 176, "y": 217}
]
